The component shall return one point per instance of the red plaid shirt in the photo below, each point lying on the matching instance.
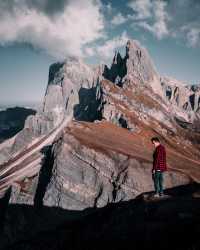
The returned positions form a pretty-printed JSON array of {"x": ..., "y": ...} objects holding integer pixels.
[{"x": 159, "y": 158}]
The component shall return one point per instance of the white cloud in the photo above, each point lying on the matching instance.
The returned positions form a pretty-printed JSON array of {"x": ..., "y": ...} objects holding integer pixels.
[
  {"x": 108, "y": 48},
  {"x": 105, "y": 51},
  {"x": 151, "y": 15},
  {"x": 192, "y": 35},
  {"x": 118, "y": 19},
  {"x": 66, "y": 33},
  {"x": 88, "y": 51},
  {"x": 142, "y": 8}
]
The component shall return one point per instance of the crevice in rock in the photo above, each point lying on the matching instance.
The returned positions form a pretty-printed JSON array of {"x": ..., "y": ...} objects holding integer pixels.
[
  {"x": 122, "y": 122},
  {"x": 116, "y": 187},
  {"x": 169, "y": 93},
  {"x": 185, "y": 106},
  {"x": 98, "y": 196},
  {"x": 44, "y": 176},
  {"x": 120, "y": 179},
  {"x": 192, "y": 100}
]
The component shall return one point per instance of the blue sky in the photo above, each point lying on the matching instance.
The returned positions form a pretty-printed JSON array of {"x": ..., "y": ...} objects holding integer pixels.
[{"x": 36, "y": 33}]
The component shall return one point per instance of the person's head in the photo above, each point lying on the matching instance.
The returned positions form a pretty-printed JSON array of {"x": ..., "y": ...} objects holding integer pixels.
[{"x": 155, "y": 141}]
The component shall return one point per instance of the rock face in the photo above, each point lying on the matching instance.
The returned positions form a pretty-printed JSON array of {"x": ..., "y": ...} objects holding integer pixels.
[
  {"x": 183, "y": 98},
  {"x": 91, "y": 170},
  {"x": 135, "y": 66},
  {"x": 104, "y": 155},
  {"x": 76, "y": 88},
  {"x": 73, "y": 89},
  {"x": 66, "y": 83}
]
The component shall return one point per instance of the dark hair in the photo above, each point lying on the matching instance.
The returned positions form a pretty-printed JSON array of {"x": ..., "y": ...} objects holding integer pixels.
[{"x": 155, "y": 139}]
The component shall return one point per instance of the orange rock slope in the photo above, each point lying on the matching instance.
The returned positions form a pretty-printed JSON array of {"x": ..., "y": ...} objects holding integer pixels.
[{"x": 106, "y": 137}]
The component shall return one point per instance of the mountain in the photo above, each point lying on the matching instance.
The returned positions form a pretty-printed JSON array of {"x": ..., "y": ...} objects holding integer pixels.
[
  {"x": 12, "y": 121},
  {"x": 89, "y": 145}
]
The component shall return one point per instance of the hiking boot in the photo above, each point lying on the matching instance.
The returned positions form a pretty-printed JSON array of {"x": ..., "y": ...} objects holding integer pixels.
[{"x": 156, "y": 195}]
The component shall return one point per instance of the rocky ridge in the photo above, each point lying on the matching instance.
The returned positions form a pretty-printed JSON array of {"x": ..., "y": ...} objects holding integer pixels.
[
  {"x": 127, "y": 95},
  {"x": 104, "y": 154}
]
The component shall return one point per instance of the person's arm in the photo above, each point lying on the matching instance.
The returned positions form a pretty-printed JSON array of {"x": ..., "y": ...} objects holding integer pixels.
[{"x": 156, "y": 162}]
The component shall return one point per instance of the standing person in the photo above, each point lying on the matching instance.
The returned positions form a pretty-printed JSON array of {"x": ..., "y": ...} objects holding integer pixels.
[{"x": 159, "y": 166}]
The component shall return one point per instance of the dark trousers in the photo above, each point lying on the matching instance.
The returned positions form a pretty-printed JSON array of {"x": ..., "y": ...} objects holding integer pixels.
[{"x": 158, "y": 181}]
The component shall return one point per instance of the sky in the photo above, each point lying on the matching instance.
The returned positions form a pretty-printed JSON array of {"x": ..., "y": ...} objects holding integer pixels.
[{"x": 37, "y": 33}]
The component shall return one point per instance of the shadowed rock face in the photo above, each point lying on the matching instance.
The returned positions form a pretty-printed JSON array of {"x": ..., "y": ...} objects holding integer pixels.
[
  {"x": 117, "y": 71},
  {"x": 89, "y": 106}
]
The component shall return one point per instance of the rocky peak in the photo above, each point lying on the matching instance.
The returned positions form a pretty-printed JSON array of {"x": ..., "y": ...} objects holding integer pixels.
[
  {"x": 74, "y": 69},
  {"x": 140, "y": 66},
  {"x": 68, "y": 82},
  {"x": 182, "y": 96},
  {"x": 136, "y": 66}
]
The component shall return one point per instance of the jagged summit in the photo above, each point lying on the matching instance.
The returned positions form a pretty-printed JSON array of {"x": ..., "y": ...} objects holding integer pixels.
[
  {"x": 139, "y": 62},
  {"x": 136, "y": 66},
  {"x": 73, "y": 86}
]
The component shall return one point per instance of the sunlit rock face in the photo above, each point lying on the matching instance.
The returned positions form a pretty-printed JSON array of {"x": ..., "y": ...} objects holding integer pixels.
[
  {"x": 66, "y": 83},
  {"x": 136, "y": 66},
  {"x": 90, "y": 171},
  {"x": 182, "y": 95},
  {"x": 184, "y": 99}
]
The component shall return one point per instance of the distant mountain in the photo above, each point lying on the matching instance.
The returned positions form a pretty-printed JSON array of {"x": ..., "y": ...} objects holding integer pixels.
[{"x": 12, "y": 121}]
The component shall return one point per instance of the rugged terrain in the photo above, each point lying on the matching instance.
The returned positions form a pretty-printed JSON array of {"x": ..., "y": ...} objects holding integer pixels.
[{"x": 89, "y": 146}]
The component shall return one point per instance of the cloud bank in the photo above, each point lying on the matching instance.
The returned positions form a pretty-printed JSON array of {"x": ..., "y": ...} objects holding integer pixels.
[
  {"x": 151, "y": 15},
  {"x": 119, "y": 19},
  {"x": 106, "y": 50},
  {"x": 75, "y": 27},
  {"x": 61, "y": 27}
]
